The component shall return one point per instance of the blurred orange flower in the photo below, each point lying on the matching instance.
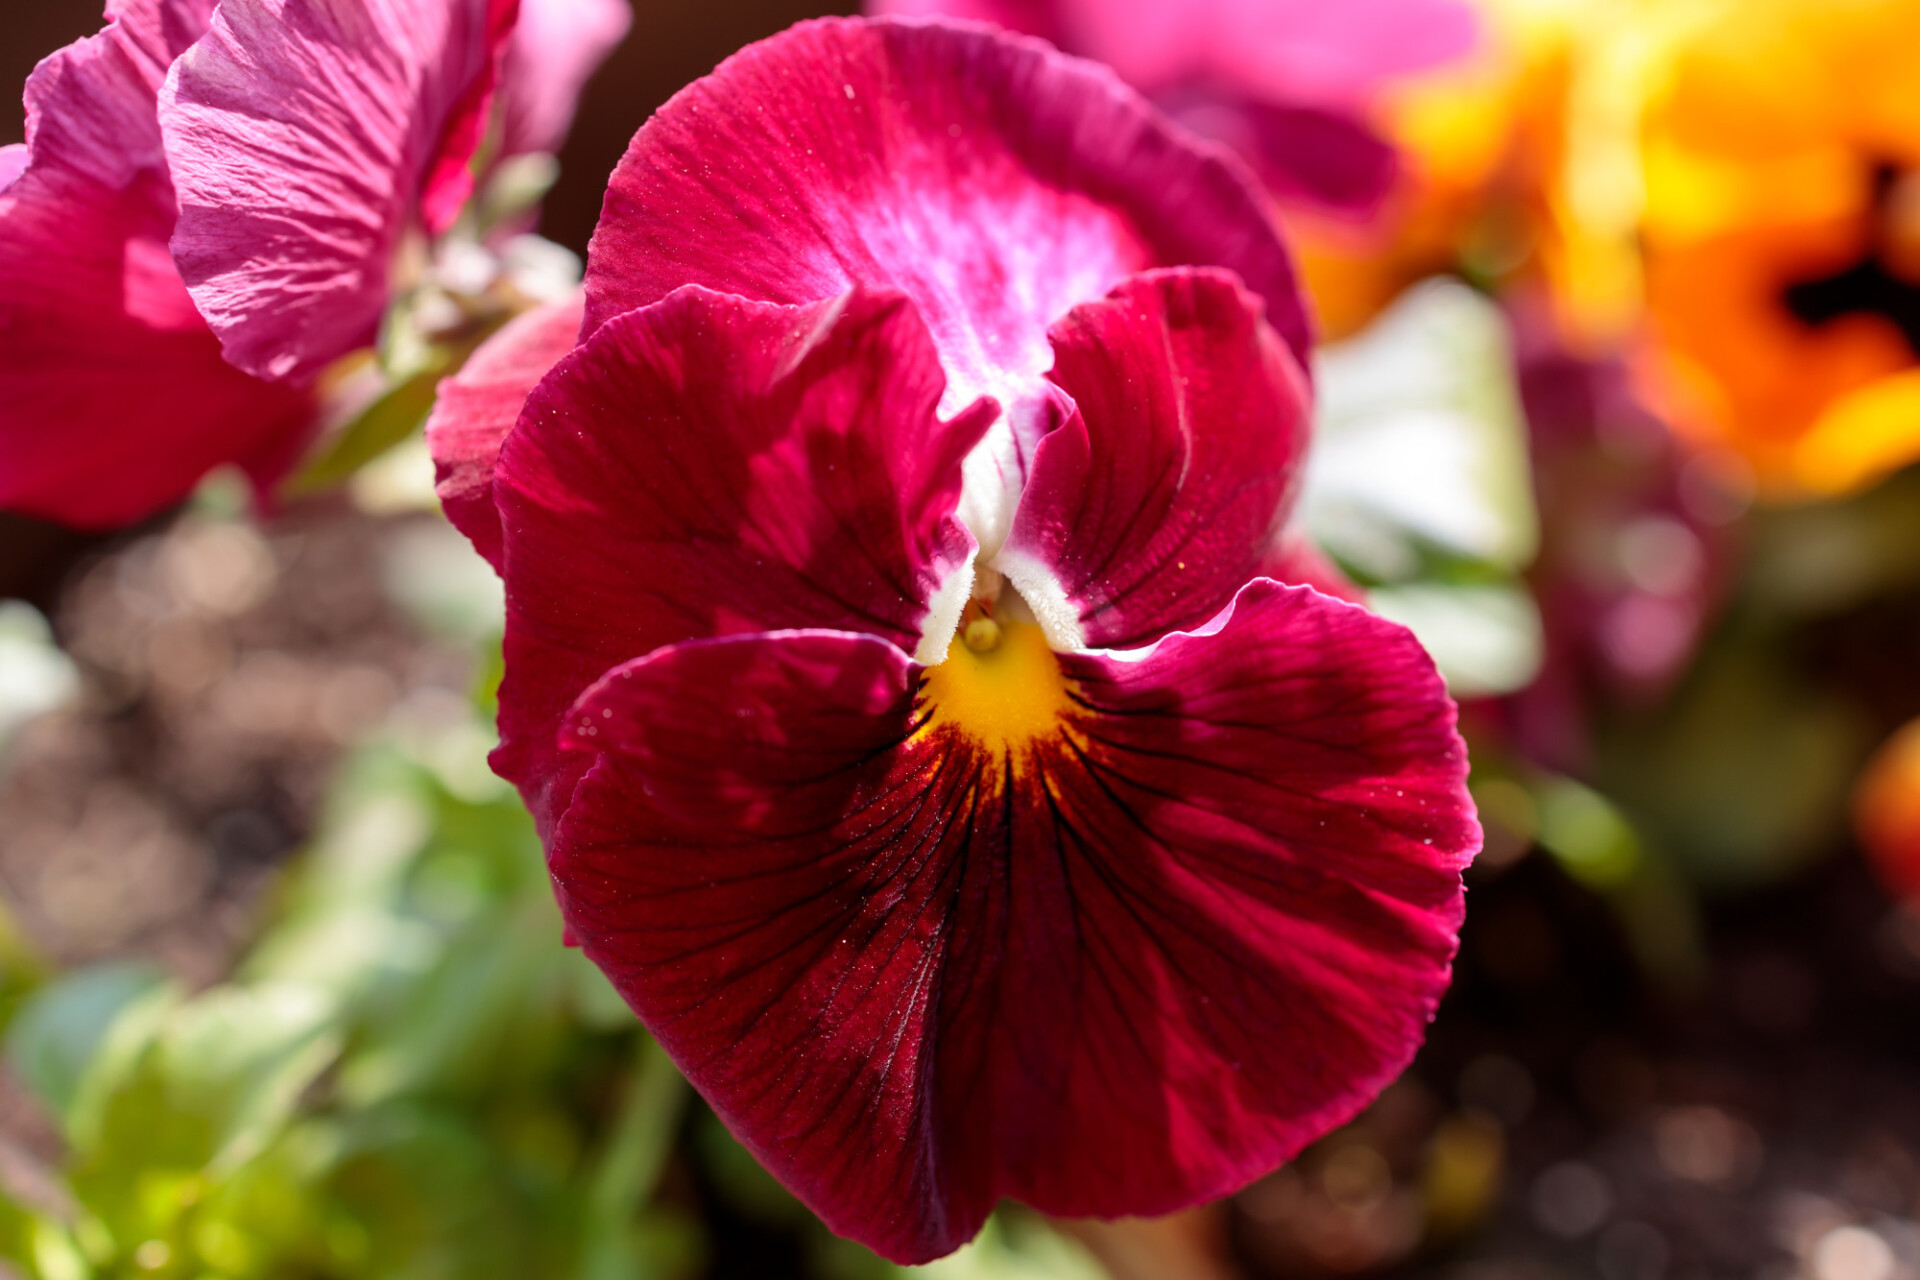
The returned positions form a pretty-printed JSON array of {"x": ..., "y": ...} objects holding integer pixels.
[
  {"x": 1782, "y": 239},
  {"x": 1521, "y": 164},
  {"x": 1886, "y": 812}
]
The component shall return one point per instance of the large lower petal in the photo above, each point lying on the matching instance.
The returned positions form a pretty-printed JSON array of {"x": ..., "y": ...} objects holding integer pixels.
[
  {"x": 995, "y": 182},
  {"x": 475, "y": 409},
  {"x": 306, "y": 137},
  {"x": 1157, "y": 501},
  {"x": 117, "y": 398},
  {"x": 711, "y": 465},
  {"x": 1133, "y": 964}
]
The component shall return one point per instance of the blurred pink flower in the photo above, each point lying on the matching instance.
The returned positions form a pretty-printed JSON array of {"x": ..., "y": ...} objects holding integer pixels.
[
  {"x": 1637, "y": 546},
  {"x": 306, "y": 138},
  {"x": 114, "y": 399},
  {"x": 277, "y": 167},
  {"x": 916, "y": 744},
  {"x": 1286, "y": 82}
]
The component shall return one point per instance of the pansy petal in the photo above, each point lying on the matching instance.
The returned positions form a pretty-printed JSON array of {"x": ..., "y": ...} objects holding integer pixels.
[
  {"x": 303, "y": 135},
  {"x": 1030, "y": 17},
  {"x": 710, "y": 465},
  {"x": 1295, "y": 559},
  {"x": 1326, "y": 158},
  {"x": 1133, "y": 966},
  {"x": 117, "y": 398},
  {"x": 771, "y": 894},
  {"x": 556, "y": 48},
  {"x": 476, "y": 408},
  {"x": 1300, "y": 51},
  {"x": 1281, "y": 51},
  {"x": 1159, "y": 499},
  {"x": 995, "y": 182}
]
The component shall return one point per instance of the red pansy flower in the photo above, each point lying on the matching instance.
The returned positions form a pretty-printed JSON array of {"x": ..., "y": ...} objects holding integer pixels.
[{"x": 916, "y": 744}]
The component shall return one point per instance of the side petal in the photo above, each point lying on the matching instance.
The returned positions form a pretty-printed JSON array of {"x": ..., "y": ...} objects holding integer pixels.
[
  {"x": 117, "y": 398},
  {"x": 476, "y": 408},
  {"x": 1134, "y": 968},
  {"x": 994, "y": 181},
  {"x": 708, "y": 466},
  {"x": 1153, "y": 505},
  {"x": 556, "y": 48},
  {"x": 305, "y": 137}
]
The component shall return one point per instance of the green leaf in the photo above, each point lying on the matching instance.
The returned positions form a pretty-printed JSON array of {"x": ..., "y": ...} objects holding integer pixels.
[
  {"x": 241, "y": 1057},
  {"x": 383, "y": 424},
  {"x": 59, "y": 1035},
  {"x": 637, "y": 1148}
]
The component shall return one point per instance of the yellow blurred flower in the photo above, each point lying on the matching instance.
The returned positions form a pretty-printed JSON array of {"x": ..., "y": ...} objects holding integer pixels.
[
  {"x": 1782, "y": 239},
  {"x": 1522, "y": 164}
]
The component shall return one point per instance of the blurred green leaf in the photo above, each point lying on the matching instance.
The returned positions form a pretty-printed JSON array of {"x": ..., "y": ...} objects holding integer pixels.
[
  {"x": 636, "y": 1151},
  {"x": 397, "y": 414},
  {"x": 241, "y": 1056},
  {"x": 1486, "y": 638},
  {"x": 1420, "y": 441},
  {"x": 1014, "y": 1245},
  {"x": 1745, "y": 775},
  {"x": 1824, "y": 558},
  {"x": 56, "y": 1040}
]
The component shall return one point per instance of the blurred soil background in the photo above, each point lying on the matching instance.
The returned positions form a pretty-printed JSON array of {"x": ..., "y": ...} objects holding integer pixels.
[
  {"x": 1577, "y": 1112},
  {"x": 1570, "y": 1116}
]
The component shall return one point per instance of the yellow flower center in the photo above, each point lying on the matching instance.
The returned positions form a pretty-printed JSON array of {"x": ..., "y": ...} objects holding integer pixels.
[{"x": 1001, "y": 686}]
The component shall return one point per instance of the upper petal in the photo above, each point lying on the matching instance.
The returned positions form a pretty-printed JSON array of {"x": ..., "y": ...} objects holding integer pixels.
[
  {"x": 305, "y": 137},
  {"x": 117, "y": 399},
  {"x": 556, "y": 47},
  {"x": 475, "y": 409},
  {"x": 1160, "y": 498},
  {"x": 711, "y": 465},
  {"x": 995, "y": 182},
  {"x": 1133, "y": 969}
]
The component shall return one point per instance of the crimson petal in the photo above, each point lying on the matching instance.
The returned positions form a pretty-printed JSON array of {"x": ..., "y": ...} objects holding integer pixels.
[
  {"x": 475, "y": 409},
  {"x": 118, "y": 399},
  {"x": 994, "y": 181},
  {"x": 711, "y": 465},
  {"x": 1198, "y": 927},
  {"x": 1160, "y": 497},
  {"x": 304, "y": 135}
]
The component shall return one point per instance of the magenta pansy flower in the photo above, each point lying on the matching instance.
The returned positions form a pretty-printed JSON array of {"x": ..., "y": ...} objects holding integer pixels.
[
  {"x": 916, "y": 744},
  {"x": 1287, "y": 82},
  {"x": 116, "y": 399}
]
